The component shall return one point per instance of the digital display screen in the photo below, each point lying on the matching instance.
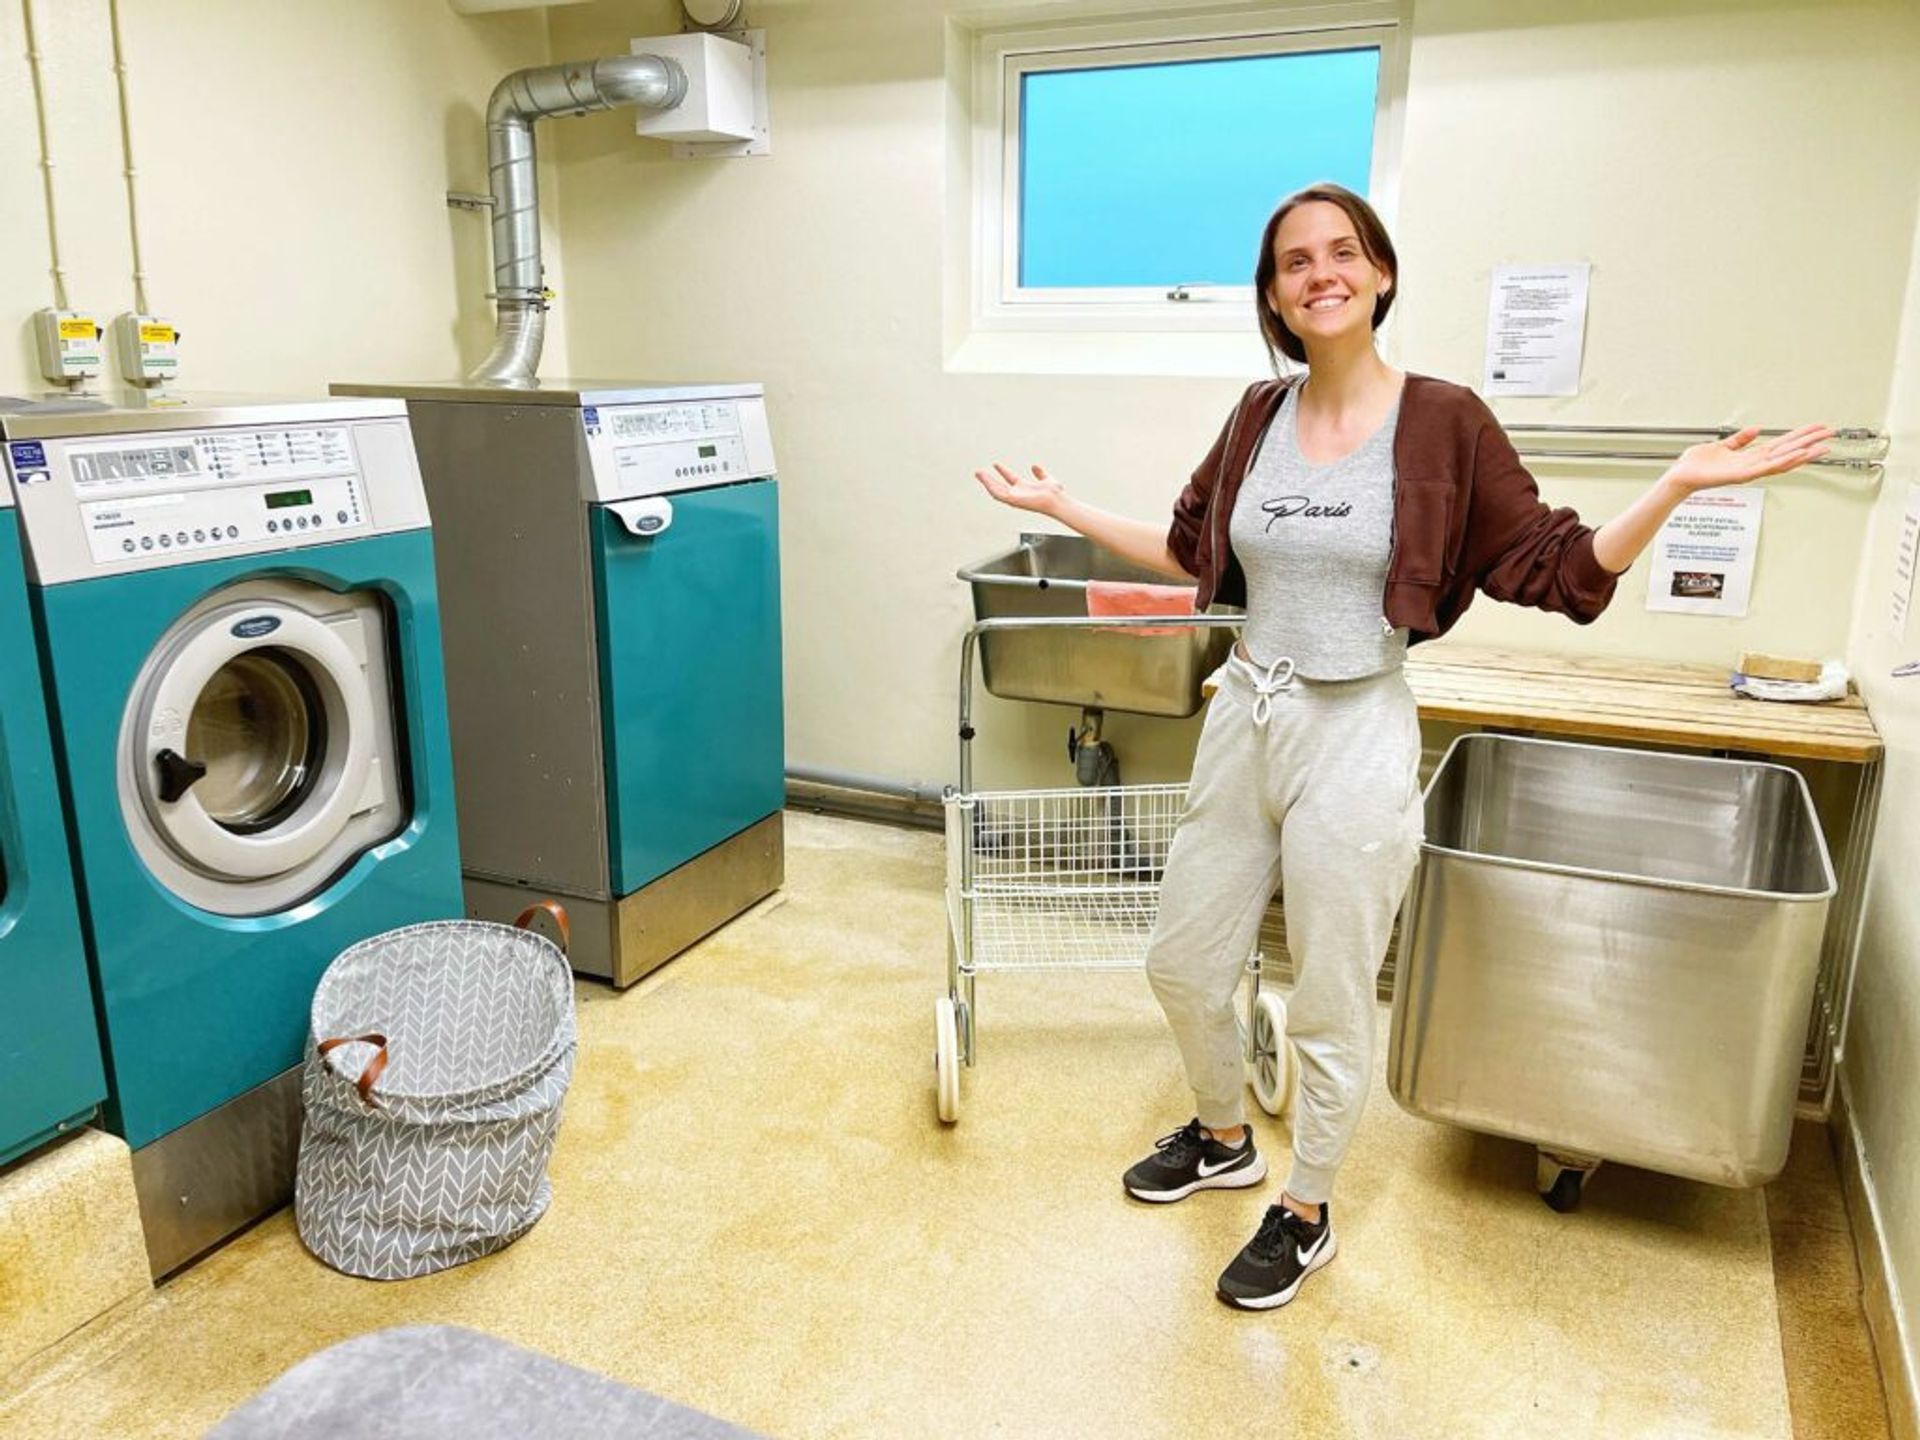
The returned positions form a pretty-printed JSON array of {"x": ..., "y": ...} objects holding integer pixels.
[
  {"x": 281, "y": 499},
  {"x": 707, "y": 452}
]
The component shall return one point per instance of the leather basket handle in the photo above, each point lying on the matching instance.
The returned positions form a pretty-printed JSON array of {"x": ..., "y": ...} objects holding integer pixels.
[
  {"x": 554, "y": 911},
  {"x": 375, "y": 1068}
]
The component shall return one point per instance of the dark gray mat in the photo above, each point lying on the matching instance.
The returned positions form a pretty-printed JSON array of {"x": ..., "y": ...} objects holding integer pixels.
[{"x": 440, "y": 1382}]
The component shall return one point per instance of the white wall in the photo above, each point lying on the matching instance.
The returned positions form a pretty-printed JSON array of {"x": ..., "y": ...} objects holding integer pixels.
[
  {"x": 1881, "y": 1067},
  {"x": 1743, "y": 177},
  {"x": 293, "y": 164}
]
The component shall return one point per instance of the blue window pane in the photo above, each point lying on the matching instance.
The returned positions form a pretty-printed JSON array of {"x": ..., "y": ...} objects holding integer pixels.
[{"x": 1164, "y": 174}]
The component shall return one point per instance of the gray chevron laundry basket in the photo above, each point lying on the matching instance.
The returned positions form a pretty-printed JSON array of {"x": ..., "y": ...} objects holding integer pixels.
[{"x": 435, "y": 1071}]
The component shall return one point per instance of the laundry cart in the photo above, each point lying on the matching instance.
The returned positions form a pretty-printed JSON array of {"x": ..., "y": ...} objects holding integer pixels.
[
  {"x": 1069, "y": 879},
  {"x": 1612, "y": 954}
]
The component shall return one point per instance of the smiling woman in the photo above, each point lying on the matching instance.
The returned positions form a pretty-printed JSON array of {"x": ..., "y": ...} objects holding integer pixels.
[{"x": 1353, "y": 510}]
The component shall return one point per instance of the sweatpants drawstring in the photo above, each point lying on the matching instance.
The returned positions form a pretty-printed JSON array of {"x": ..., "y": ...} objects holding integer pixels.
[{"x": 1267, "y": 685}]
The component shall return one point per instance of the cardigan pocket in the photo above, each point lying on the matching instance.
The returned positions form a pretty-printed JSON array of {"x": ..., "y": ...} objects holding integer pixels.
[{"x": 1423, "y": 531}]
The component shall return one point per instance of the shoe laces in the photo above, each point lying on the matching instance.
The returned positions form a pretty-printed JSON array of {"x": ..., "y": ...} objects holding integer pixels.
[
  {"x": 1183, "y": 1144},
  {"x": 1279, "y": 1232}
]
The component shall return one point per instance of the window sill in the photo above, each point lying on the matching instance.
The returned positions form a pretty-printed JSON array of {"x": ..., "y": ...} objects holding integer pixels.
[{"x": 1237, "y": 355}]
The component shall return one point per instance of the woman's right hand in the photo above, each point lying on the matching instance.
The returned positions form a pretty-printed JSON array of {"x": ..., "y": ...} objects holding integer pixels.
[{"x": 1039, "y": 493}]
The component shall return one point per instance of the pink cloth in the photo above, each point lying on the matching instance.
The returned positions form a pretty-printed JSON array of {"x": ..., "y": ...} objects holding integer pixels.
[{"x": 1125, "y": 597}]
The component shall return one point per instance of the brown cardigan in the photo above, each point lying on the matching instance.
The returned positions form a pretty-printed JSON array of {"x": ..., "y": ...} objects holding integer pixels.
[{"x": 1466, "y": 515}]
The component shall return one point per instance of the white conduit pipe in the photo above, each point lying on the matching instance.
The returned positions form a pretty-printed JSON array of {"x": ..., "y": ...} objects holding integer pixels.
[
  {"x": 46, "y": 159},
  {"x": 126, "y": 153}
]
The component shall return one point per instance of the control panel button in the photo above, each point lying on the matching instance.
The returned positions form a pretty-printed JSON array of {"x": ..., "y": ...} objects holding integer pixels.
[
  {"x": 146, "y": 542},
  {"x": 233, "y": 532},
  {"x": 341, "y": 517},
  {"x": 199, "y": 537},
  {"x": 127, "y": 545},
  {"x": 273, "y": 527},
  {"x": 166, "y": 542},
  {"x": 181, "y": 538}
]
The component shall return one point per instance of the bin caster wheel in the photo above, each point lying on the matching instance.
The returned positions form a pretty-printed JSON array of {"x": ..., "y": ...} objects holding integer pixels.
[
  {"x": 946, "y": 1059},
  {"x": 1270, "y": 1071},
  {"x": 1561, "y": 1184}
]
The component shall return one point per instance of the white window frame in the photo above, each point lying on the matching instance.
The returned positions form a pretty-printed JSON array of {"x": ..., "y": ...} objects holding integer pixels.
[{"x": 1003, "y": 57}]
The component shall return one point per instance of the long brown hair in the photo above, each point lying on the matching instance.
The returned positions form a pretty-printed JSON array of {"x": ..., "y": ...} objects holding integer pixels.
[{"x": 1373, "y": 240}]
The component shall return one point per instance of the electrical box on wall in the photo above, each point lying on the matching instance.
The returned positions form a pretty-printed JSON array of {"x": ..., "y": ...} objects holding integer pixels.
[
  {"x": 149, "y": 348},
  {"x": 69, "y": 345},
  {"x": 720, "y": 103}
]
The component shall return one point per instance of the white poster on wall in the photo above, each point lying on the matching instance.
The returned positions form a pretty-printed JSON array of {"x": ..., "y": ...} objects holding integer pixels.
[
  {"x": 1904, "y": 559},
  {"x": 1703, "y": 555},
  {"x": 1536, "y": 329}
]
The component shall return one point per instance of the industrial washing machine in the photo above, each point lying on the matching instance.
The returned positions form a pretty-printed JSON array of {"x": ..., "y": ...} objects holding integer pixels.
[
  {"x": 610, "y": 569},
  {"x": 49, "y": 1043},
  {"x": 237, "y": 617}
]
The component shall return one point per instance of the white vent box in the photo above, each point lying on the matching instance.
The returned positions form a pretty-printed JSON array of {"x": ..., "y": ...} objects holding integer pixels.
[{"x": 719, "y": 104}]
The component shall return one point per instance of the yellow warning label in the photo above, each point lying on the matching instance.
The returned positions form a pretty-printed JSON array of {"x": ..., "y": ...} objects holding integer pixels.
[
  {"x": 77, "y": 329},
  {"x": 157, "y": 335}
]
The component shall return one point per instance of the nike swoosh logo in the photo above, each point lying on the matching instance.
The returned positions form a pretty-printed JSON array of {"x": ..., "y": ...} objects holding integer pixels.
[
  {"x": 1305, "y": 1257},
  {"x": 1207, "y": 1172}
]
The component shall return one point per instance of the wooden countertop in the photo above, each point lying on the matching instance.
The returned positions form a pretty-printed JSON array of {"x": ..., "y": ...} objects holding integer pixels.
[{"x": 1653, "y": 702}]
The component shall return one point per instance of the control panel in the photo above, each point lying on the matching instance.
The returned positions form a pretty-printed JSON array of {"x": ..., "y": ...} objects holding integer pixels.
[
  {"x": 216, "y": 491},
  {"x": 98, "y": 504},
  {"x": 657, "y": 448}
]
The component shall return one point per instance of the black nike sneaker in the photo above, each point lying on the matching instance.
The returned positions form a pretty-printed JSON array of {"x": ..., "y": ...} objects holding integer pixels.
[
  {"x": 1188, "y": 1160},
  {"x": 1285, "y": 1250}
]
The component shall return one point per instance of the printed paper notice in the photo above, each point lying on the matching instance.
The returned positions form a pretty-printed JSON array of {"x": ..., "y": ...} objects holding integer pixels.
[
  {"x": 1536, "y": 329},
  {"x": 1703, "y": 555},
  {"x": 1904, "y": 559}
]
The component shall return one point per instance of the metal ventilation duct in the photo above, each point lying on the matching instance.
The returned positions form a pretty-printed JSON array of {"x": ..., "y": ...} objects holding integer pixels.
[{"x": 573, "y": 88}]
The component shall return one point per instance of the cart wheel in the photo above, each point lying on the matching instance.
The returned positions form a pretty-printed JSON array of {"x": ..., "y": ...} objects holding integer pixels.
[
  {"x": 1270, "y": 1071},
  {"x": 946, "y": 1059},
  {"x": 1563, "y": 1196}
]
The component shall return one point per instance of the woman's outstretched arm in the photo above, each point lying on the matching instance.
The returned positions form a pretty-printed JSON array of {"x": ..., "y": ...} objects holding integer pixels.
[
  {"x": 1733, "y": 461},
  {"x": 1143, "y": 542}
]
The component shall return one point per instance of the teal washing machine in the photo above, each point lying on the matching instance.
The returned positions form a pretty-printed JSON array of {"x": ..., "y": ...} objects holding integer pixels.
[
  {"x": 239, "y": 626},
  {"x": 49, "y": 1044},
  {"x": 610, "y": 572}
]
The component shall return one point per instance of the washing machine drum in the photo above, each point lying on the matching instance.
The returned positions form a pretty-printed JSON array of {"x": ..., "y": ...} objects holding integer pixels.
[{"x": 260, "y": 753}]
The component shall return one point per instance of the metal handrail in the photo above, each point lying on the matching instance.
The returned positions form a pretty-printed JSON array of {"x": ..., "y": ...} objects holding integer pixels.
[{"x": 1873, "y": 444}]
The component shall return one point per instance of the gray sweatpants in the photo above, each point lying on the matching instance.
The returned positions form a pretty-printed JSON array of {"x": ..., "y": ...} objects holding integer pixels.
[{"x": 1312, "y": 786}]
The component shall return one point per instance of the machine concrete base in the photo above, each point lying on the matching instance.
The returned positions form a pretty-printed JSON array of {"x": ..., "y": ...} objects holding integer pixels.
[
  {"x": 622, "y": 940},
  {"x": 214, "y": 1176}
]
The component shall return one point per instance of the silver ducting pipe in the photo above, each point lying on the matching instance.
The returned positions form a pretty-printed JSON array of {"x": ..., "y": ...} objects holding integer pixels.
[{"x": 575, "y": 88}]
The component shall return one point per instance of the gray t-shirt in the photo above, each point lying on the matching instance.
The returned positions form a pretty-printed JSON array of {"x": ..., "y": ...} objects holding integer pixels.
[{"x": 1314, "y": 541}]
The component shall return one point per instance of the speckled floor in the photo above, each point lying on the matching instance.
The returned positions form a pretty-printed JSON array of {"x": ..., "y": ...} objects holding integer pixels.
[{"x": 758, "y": 1215}]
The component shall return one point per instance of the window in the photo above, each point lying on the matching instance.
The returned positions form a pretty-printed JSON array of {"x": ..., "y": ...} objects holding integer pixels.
[{"x": 1123, "y": 170}]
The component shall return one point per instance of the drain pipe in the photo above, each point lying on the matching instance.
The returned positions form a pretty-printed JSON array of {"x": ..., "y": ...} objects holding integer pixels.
[{"x": 652, "y": 82}]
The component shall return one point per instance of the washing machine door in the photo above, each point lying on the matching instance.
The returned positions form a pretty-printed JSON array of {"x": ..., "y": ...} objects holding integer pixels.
[{"x": 256, "y": 746}]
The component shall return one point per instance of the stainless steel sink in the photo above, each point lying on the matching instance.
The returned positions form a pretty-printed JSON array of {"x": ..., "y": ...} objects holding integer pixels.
[{"x": 1096, "y": 668}]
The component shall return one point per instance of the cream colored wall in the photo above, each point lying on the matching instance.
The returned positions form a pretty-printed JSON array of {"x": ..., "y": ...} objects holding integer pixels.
[
  {"x": 293, "y": 163},
  {"x": 1742, "y": 176},
  {"x": 1881, "y": 1066}
]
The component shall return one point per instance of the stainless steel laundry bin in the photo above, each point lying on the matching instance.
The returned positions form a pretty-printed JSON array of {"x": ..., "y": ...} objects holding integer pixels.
[{"x": 1611, "y": 953}]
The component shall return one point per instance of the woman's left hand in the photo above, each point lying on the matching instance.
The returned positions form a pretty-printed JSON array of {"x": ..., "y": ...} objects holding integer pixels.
[{"x": 1736, "y": 460}]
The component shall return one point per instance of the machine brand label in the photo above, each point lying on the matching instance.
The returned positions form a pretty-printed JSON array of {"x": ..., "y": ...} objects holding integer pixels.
[
  {"x": 28, "y": 455},
  {"x": 254, "y": 626}
]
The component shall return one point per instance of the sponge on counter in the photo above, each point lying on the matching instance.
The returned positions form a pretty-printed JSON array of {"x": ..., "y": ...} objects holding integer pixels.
[{"x": 1777, "y": 667}]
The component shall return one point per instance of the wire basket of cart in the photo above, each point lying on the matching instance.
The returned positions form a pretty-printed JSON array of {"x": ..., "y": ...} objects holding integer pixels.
[{"x": 1069, "y": 878}]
